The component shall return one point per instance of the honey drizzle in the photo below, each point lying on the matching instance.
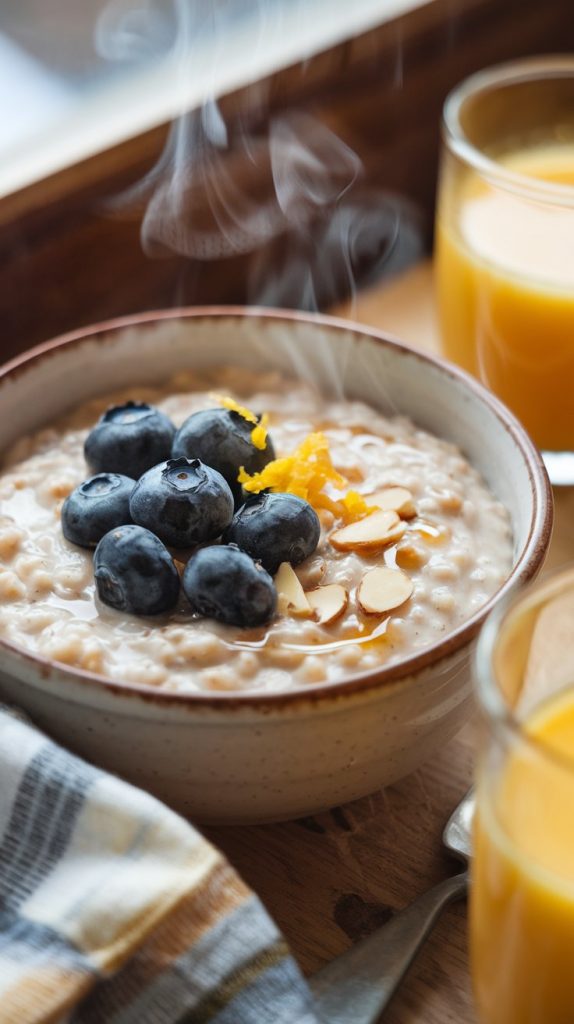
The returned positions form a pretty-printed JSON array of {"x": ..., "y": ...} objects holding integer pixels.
[
  {"x": 375, "y": 636},
  {"x": 367, "y": 632}
]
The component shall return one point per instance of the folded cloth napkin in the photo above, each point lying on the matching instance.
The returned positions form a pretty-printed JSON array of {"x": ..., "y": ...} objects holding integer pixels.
[{"x": 114, "y": 910}]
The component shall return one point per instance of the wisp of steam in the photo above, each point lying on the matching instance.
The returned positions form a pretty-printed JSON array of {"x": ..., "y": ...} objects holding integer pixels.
[{"x": 277, "y": 186}]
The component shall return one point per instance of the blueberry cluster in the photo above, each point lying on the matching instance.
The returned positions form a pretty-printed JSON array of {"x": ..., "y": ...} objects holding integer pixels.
[{"x": 156, "y": 488}]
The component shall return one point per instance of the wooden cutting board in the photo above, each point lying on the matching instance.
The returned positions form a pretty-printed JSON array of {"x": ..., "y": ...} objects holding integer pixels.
[{"x": 331, "y": 879}]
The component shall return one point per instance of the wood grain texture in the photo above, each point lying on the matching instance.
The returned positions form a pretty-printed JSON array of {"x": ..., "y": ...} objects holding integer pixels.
[{"x": 332, "y": 879}]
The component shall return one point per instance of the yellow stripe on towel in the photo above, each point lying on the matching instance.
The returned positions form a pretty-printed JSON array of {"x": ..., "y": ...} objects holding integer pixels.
[{"x": 27, "y": 1000}]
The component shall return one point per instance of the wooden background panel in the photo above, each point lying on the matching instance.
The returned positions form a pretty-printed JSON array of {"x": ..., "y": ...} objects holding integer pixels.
[{"x": 66, "y": 260}]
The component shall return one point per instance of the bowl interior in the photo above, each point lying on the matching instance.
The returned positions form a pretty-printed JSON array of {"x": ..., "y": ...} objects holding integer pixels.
[{"x": 342, "y": 361}]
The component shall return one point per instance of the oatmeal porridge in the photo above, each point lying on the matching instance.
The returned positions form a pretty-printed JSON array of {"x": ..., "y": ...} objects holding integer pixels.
[{"x": 411, "y": 544}]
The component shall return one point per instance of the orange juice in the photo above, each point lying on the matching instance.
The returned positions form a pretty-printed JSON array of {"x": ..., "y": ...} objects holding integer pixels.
[
  {"x": 522, "y": 902},
  {"x": 505, "y": 269}
]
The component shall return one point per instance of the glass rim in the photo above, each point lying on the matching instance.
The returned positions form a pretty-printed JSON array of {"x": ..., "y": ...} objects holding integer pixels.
[
  {"x": 528, "y": 69},
  {"x": 499, "y": 714}
]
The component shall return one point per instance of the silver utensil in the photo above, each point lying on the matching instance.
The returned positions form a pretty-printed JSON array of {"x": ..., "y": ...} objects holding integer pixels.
[{"x": 357, "y": 986}]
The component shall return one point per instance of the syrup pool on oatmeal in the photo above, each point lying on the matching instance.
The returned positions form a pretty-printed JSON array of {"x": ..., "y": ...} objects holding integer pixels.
[{"x": 431, "y": 545}]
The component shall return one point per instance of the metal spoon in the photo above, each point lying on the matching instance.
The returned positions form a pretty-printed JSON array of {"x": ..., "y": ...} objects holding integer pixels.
[{"x": 357, "y": 986}]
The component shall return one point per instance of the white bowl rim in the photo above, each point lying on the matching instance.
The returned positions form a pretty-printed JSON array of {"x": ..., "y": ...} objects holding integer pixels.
[{"x": 526, "y": 568}]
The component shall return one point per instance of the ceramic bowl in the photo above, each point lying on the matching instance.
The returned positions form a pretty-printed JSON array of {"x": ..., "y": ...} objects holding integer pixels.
[{"x": 258, "y": 757}]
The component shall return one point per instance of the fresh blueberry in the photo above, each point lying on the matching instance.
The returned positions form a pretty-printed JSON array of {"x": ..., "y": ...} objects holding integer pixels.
[
  {"x": 129, "y": 439},
  {"x": 222, "y": 439},
  {"x": 95, "y": 507},
  {"x": 135, "y": 572},
  {"x": 222, "y": 582},
  {"x": 275, "y": 528},
  {"x": 184, "y": 502}
]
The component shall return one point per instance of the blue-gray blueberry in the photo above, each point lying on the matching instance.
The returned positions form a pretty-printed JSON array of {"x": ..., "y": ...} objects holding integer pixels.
[
  {"x": 275, "y": 528},
  {"x": 135, "y": 572},
  {"x": 183, "y": 501},
  {"x": 222, "y": 439},
  {"x": 130, "y": 439},
  {"x": 223, "y": 583},
  {"x": 96, "y": 506}
]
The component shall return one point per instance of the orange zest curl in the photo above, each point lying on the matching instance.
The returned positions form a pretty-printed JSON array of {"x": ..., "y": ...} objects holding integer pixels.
[
  {"x": 259, "y": 433},
  {"x": 305, "y": 473}
]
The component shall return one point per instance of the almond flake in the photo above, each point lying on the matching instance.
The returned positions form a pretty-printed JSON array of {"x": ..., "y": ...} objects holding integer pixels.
[
  {"x": 291, "y": 596},
  {"x": 383, "y": 589},
  {"x": 395, "y": 499},
  {"x": 328, "y": 602},
  {"x": 374, "y": 531}
]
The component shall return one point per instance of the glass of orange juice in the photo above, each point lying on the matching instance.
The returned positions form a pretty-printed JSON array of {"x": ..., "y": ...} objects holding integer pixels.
[
  {"x": 522, "y": 892},
  {"x": 505, "y": 244}
]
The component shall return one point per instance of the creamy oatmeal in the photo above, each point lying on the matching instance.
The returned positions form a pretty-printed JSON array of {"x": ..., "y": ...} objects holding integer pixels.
[{"x": 453, "y": 546}]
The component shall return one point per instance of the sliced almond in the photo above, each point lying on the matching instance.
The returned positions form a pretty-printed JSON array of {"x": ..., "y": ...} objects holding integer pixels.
[
  {"x": 290, "y": 593},
  {"x": 395, "y": 499},
  {"x": 328, "y": 602},
  {"x": 383, "y": 589},
  {"x": 374, "y": 531}
]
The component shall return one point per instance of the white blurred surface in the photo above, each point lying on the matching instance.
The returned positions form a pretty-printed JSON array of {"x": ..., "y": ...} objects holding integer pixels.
[
  {"x": 31, "y": 97},
  {"x": 54, "y": 119}
]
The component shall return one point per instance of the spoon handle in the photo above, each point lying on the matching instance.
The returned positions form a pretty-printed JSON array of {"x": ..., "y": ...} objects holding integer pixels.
[{"x": 357, "y": 986}]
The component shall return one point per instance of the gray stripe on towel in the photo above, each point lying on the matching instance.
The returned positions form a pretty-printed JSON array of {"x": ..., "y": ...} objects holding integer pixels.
[
  {"x": 37, "y": 945},
  {"x": 45, "y": 809},
  {"x": 189, "y": 980},
  {"x": 277, "y": 995}
]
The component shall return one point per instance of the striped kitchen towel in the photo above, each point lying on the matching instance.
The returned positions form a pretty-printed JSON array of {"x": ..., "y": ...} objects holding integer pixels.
[{"x": 114, "y": 910}]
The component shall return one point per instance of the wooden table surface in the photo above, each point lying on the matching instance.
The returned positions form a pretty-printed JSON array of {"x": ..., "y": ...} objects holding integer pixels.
[{"x": 332, "y": 879}]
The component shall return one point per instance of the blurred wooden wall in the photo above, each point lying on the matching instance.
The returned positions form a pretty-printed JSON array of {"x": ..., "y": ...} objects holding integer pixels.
[{"x": 66, "y": 260}]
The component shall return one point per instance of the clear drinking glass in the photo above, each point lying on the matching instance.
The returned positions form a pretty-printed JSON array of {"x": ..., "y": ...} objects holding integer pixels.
[
  {"x": 522, "y": 892},
  {"x": 505, "y": 243}
]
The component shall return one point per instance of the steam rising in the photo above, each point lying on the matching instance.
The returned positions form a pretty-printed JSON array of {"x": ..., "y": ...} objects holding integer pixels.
[
  {"x": 217, "y": 193},
  {"x": 281, "y": 186}
]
